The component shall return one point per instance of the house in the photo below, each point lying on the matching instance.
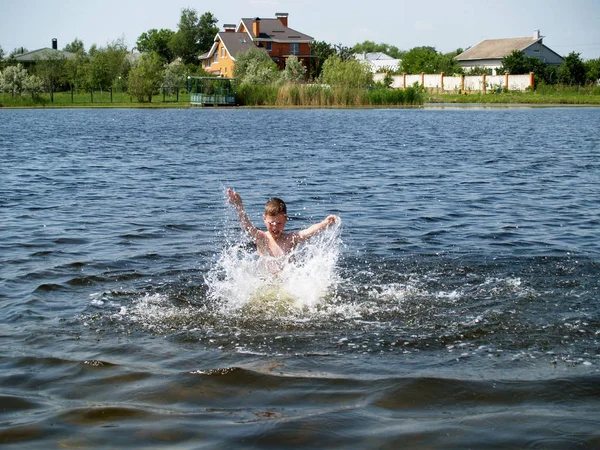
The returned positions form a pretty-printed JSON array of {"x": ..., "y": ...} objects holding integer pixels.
[
  {"x": 489, "y": 53},
  {"x": 379, "y": 61},
  {"x": 29, "y": 58},
  {"x": 272, "y": 35}
]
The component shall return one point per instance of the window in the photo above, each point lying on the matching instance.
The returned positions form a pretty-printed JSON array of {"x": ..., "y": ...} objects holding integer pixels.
[
  {"x": 269, "y": 46},
  {"x": 216, "y": 57},
  {"x": 295, "y": 48},
  {"x": 223, "y": 55},
  {"x": 207, "y": 63}
]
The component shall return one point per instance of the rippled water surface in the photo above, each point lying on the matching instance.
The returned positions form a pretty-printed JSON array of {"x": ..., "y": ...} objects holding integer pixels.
[{"x": 456, "y": 306}]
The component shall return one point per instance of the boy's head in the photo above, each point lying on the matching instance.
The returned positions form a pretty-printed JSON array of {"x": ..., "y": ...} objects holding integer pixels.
[
  {"x": 275, "y": 206},
  {"x": 275, "y": 215}
]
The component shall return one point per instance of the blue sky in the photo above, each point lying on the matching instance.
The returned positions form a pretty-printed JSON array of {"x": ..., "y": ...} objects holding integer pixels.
[{"x": 445, "y": 25}]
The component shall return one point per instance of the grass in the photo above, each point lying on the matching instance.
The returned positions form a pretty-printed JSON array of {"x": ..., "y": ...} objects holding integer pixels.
[
  {"x": 100, "y": 99},
  {"x": 315, "y": 95},
  {"x": 543, "y": 95}
]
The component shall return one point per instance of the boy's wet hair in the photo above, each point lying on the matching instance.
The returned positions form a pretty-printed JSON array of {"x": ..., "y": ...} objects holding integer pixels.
[{"x": 274, "y": 207}]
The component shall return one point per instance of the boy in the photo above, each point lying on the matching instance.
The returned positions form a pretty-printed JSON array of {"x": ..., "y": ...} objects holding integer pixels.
[{"x": 275, "y": 242}]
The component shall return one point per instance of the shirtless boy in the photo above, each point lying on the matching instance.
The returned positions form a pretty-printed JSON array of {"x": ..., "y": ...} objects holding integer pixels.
[{"x": 275, "y": 242}]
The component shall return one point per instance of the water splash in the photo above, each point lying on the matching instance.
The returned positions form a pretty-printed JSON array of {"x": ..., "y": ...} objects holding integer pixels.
[{"x": 242, "y": 281}]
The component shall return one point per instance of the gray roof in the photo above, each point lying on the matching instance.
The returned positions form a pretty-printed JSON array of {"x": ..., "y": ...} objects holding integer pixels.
[
  {"x": 274, "y": 30},
  {"x": 42, "y": 53},
  {"x": 376, "y": 56},
  {"x": 235, "y": 42},
  {"x": 496, "y": 48}
]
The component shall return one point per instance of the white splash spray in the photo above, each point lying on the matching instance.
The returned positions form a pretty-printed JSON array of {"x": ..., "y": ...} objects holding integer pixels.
[{"x": 241, "y": 279}]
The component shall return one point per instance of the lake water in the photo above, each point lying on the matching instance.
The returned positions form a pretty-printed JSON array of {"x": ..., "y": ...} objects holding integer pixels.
[{"x": 456, "y": 306}]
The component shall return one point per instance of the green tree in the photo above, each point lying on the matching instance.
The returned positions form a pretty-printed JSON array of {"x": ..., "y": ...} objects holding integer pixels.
[
  {"x": 372, "y": 47},
  {"x": 156, "y": 41},
  {"x": 51, "y": 68},
  {"x": 345, "y": 53},
  {"x": 428, "y": 60},
  {"x": 75, "y": 47},
  {"x": 592, "y": 70},
  {"x": 516, "y": 63},
  {"x": 175, "y": 75},
  {"x": 294, "y": 71},
  {"x": 12, "y": 78},
  {"x": 33, "y": 85},
  {"x": 320, "y": 50},
  {"x": 194, "y": 36},
  {"x": 146, "y": 76},
  {"x": 255, "y": 66},
  {"x": 572, "y": 71},
  {"x": 348, "y": 73},
  {"x": 1, "y": 57},
  {"x": 107, "y": 64},
  {"x": 77, "y": 70}
]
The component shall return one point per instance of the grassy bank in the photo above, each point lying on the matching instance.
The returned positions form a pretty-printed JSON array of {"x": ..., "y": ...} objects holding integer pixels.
[
  {"x": 307, "y": 95},
  {"x": 543, "y": 95},
  {"x": 95, "y": 99},
  {"x": 287, "y": 95},
  {"x": 325, "y": 96}
]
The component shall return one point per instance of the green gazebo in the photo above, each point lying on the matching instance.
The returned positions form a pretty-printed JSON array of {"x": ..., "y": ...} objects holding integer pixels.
[{"x": 212, "y": 91}]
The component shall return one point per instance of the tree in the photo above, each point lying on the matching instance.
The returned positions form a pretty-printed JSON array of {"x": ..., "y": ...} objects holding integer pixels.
[
  {"x": 207, "y": 30},
  {"x": 77, "y": 70},
  {"x": 348, "y": 73},
  {"x": 175, "y": 75},
  {"x": 146, "y": 76},
  {"x": 33, "y": 85},
  {"x": 572, "y": 71},
  {"x": 51, "y": 68},
  {"x": 107, "y": 64},
  {"x": 428, "y": 60},
  {"x": 372, "y": 47},
  {"x": 255, "y": 66},
  {"x": 320, "y": 50},
  {"x": 75, "y": 47},
  {"x": 157, "y": 41},
  {"x": 294, "y": 71},
  {"x": 12, "y": 78},
  {"x": 1, "y": 57},
  {"x": 516, "y": 63},
  {"x": 194, "y": 35},
  {"x": 592, "y": 70}
]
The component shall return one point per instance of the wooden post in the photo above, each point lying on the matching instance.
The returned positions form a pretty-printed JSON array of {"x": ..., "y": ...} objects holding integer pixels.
[
  {"x": 506, "y": 80},
  {"x": 442, "y": 81},
  {"x": 404, "y": 80},
  {"x": 462, "y": 83},
  {"x": 483, "y": 85},
  {"x": 531, "y": 80},
  {"x": 423, "y": 80}
]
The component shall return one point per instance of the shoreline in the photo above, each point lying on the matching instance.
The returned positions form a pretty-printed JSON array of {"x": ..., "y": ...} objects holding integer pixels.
[{"x": 426, "y": 105}]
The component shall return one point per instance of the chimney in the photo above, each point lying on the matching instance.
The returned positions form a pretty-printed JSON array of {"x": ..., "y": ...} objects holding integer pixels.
[
  {"x": 536, "y": 34},
  {"x": 55, "y": 44},
  {"x": 283, "y": 17},
  {"x": 256, "y": 27},
  {"x": 229, "y": 27}
]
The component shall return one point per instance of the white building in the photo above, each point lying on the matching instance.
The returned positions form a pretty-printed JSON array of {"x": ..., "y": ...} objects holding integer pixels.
[
  {"x": 489, "y": 53},
  {"x": 379, "y": 62}
]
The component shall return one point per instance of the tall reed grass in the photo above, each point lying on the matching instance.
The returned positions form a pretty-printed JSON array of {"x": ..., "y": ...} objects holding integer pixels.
[{"x": 292, "y": 94}]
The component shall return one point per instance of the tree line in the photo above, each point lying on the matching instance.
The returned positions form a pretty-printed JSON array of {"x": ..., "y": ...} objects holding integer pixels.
[{"x": 166, "y": 58}]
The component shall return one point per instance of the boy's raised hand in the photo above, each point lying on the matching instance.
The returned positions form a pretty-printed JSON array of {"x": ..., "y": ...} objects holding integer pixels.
[{"x": 234, "y": 198}]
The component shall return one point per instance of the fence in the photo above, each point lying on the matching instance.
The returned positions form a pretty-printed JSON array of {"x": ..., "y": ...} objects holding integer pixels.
[{"x": 462, "y": 83}]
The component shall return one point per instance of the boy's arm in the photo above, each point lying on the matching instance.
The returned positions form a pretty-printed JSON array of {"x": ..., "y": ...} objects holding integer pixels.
[
  {"x": 316, "y": 228},
  {"x": 235, "y": 199}
]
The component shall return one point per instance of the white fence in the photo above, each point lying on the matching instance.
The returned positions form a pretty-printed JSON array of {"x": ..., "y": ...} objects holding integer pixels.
[{"x": 464, "y": 83}]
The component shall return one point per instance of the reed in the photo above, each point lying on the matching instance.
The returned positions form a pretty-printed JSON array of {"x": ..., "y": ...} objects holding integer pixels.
[{"x": 292, "y": 94}]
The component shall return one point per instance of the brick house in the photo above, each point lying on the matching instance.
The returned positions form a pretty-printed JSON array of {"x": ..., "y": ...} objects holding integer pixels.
[{"x": 272, "y": 35}]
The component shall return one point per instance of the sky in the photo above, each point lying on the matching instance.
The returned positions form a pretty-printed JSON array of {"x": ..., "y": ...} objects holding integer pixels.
[{"x": 444, "y": 24}]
